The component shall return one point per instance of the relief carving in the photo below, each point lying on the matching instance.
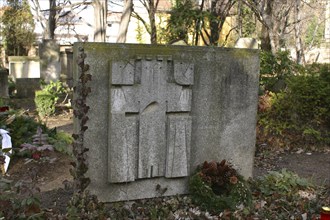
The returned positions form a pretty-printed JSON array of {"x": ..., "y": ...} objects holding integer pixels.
[{"x": 150, "y": 128}]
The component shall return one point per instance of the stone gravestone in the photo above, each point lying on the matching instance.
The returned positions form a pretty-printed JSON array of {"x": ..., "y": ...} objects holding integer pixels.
[
  {"x": 4, "y": 83},
  {"x": 50, "y": 66},
  {"x": 156, "y": 112},
  {"x": 250, "y": 43},
  {"x": 66, "y": 66},
  {"x": 24, "y": 67},
  {"x": 26, "y": 87},
  {"x": 25, "y": 72}
]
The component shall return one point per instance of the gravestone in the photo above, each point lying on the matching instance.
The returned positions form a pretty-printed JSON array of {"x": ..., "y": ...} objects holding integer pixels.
[
  {"x": 156, "y": 112},
  {"x": 50, "y": 66},
  {"x": 66, "y": 66},
  {"x": 249, "y": 43},
  {"x": 26, "y": 87},
  {"x": 4, "y": 83},
  {"x": 24, "y": 67},
  {"x": 25, "y": 72}
]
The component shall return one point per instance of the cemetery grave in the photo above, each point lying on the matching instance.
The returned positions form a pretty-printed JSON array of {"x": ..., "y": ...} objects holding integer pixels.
[{"x": 169, "y": 122}]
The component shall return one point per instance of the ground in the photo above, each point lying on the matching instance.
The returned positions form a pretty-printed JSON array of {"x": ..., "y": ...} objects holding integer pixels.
[{"x": 53, "y": 177}]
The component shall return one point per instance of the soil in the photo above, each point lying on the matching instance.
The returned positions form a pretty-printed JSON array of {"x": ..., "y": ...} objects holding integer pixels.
[{"x": 52, "y": 171}]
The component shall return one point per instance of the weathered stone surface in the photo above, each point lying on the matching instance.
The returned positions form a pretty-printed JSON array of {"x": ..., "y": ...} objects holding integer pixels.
[
  {"x": 4, "y": 93},
  {"x": 50, "y": 66},
  {"x": 245, "y": 42},
  {"x": 159, "y": 111},
  {"x": 178, "y": 146},
  {"x": 24, "y": 67},
  {"x": 25, "y": 71},
  {"x": 26, "y": 87},
  {"x": 66, "y": 60}
]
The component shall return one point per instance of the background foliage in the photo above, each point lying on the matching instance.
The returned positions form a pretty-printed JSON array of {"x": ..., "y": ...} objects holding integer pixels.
[
  {"x": 17, "y": 28},
  {"x": 295, "y": 102}
]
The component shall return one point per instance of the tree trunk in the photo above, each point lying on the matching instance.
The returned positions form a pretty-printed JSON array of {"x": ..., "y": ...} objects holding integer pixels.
[
  {"x": 198, "y": 22},
  {"x": 265, "y": 40},
  {"x": 124, "y": 21},
  {"x": 239, "y": 19},
  {"x": 51, "y": 20},
  {"x": 274, "y": 16},
  {"x": 100, "y": 20},
  {"x": 152, "y": 15},
  {"x": 297, "y": 30},
  {"x": 214, "y": 24},
  {"x": 219, "y": 11}
]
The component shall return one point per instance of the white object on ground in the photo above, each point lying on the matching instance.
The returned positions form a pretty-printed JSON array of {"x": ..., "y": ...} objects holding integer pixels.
[{"x": 6, "y": 143}]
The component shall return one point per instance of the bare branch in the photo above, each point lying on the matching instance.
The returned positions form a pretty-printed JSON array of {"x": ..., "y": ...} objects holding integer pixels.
[
  {"x": 138, "y": 17},
  {"x": 227, "y": 36},
  {"x": 70, "y": 6}
]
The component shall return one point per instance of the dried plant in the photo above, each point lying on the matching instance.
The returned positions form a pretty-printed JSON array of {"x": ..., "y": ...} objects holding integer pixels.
[
  {"x": 218, "y": 186},
  {"x": 82, "y": 205}
]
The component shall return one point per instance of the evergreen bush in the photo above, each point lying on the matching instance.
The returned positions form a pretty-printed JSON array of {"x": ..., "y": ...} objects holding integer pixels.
[
  {"x": 47, "y": 98},
  {"x": 45, "y": 103},
  {"x": 302, "y": 108}
]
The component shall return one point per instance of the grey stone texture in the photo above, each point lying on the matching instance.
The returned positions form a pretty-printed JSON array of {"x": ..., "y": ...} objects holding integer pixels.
[
  {"x": 246, "y": 42},
  {"x": 156, "y": 112},
  {"x": 26, "y": 87},
  {"x": 66, "y": 59},
  {"x": 4, "y": 93},
  {"x": 24, "y": 67},
  {"x": 50, "y": 66}
]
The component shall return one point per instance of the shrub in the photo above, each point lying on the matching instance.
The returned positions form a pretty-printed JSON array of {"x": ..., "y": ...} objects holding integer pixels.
[
  {"x": 218, "y": 186},
  {"x": 47, "y": 98},
  {"x": 21, "y": 128},
  {"x": 302, "y": 109},
  {"x": 45, "y": 103},
  {"x": 274, "y": 69},
  {"x": 285, "y": 195},
  {"x": 62, "y": 142},
  {"x": 19, "y": 201}
]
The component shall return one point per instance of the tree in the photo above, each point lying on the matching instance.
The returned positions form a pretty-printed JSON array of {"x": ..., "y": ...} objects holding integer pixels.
[
  {"x": 100, "y": 20},
  {"x": 205, "y": 20},
  {"x": 17, "y": 28},
  {"x": 246, "y": 22},
  {"x": 274, "y": 16},
  {"x": 297, "y": 30},
  {"x": 150, "y": 26},
  {"x": 49, "y": 19},
  {"x": 219, "y": 11},
  {"x": 52, "y": 19},
  {"x": 124, "y": 21},
  {"x": 184, "y": 21}
]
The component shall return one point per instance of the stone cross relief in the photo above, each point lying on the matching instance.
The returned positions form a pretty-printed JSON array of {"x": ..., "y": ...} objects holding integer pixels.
[{"x": 150, "y": 122}]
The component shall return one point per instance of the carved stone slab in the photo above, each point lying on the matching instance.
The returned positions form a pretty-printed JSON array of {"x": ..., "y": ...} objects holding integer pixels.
[
  {"x": 156, "y": 112},
  {"x": 146, "y": 135}
]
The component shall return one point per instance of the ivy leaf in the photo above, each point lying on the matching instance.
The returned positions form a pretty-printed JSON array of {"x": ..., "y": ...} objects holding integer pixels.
[
  {"x": 75, "y": 136},
  {"x": 86, "y": 67},
  {"x": 84, "y": 120}
]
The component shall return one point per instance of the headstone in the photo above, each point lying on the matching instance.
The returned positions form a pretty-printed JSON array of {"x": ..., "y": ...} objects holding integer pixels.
[
  {"x": 156, "y": 112},
  {"x": 24, "y": 67},
  {"x": 249, "y": 43},
  {"x": 4, "y": 83},
  {"x": 50, "y": 66},
  {"x": 26, "y": 87},
  {"x": 67, "y": 65}
]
